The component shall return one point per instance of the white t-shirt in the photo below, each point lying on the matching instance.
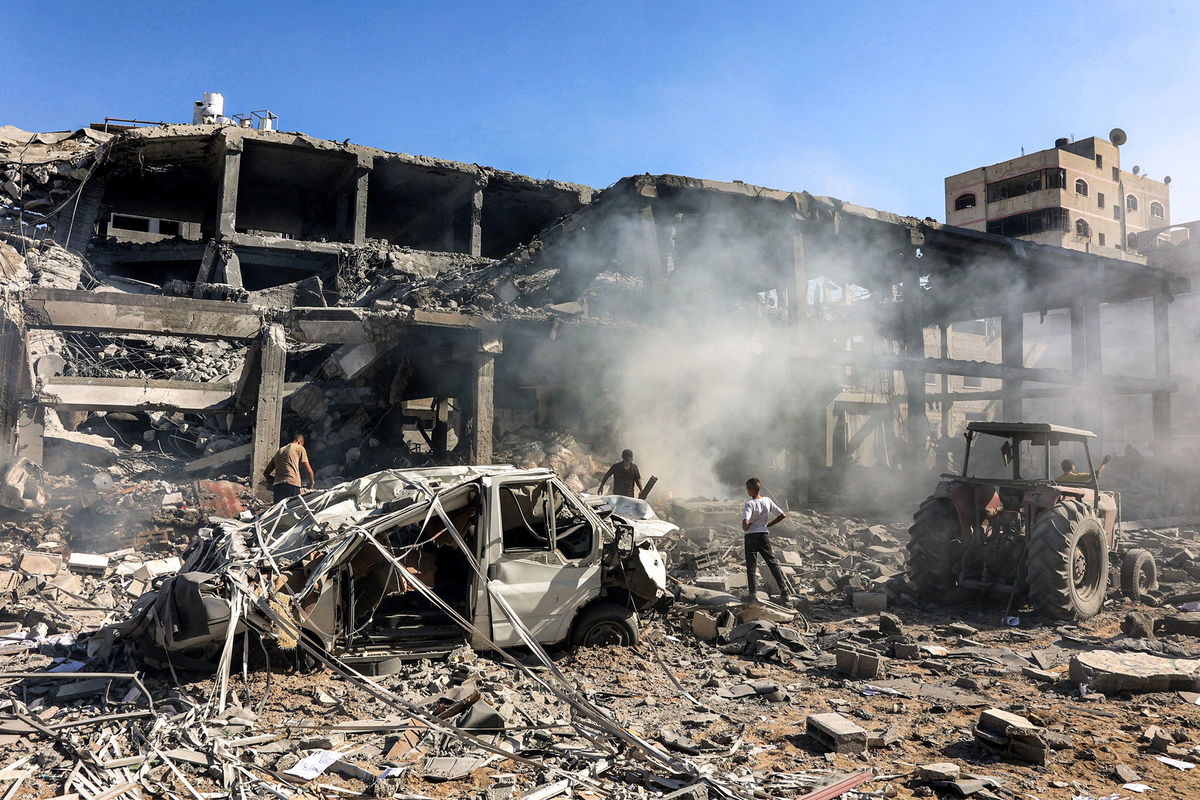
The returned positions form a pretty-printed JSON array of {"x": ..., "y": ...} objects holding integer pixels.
[{"x": 759, "y": 512}]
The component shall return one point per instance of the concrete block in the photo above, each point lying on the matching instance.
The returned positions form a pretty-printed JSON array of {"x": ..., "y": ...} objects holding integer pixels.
[
  {"x": 704, "y": 625},
  {"x": 941, "y": 771},
  {"x": 87, "y": 562},
  {"x": 40, "y": 563},
  {"x": 860, "y": 664},
  {"x": 870, "y": 602},
  {"x": 150, "y": 570},
  {"x": 836, "y": 734}
]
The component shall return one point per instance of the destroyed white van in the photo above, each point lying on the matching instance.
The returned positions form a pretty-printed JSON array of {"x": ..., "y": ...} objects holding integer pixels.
[{"x": 411, "y": 563}]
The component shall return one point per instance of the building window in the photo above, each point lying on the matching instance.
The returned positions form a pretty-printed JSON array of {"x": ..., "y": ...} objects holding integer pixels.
[
  {"x": 1081, "y": 187},
  {"x": 1116, "y": 212},
  {"x": 1100, "y": 236},
  {"x": 964, "y": 201},
  {"x": 1099, "y": 161},
  {"x": 1024, "y": 184},
  {"x": 1130, "y": 202},
  {"x": 1116, "y": 173},
  {"x": 978, "y": 327},
  {"x": 931, "y": 378},
  {"x": 1044, "y": 219},
  {"x": 1099, "y": 199},
  {"x": 1157, "y": 211},
  {"x": 972, "y": 382},
  {"x": 1082, "y": 228}
]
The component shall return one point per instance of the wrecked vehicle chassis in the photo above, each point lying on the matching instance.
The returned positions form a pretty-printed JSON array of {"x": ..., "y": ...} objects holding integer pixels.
[{"x": 403, "y": 564}]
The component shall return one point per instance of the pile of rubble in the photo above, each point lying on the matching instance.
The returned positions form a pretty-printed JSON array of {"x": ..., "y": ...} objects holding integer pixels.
[{"x": 43, "y": 171}]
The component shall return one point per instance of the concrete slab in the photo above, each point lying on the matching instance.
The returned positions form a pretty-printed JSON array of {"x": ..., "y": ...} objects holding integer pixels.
[{"x": 1111, "y": 671}]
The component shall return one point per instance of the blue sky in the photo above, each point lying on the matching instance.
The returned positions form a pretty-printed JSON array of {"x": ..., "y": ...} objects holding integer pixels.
[{"x": 874, "y": 102}]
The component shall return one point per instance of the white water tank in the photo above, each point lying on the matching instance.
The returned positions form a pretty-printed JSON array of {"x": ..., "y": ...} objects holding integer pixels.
[{"x": 209, "y": 109}]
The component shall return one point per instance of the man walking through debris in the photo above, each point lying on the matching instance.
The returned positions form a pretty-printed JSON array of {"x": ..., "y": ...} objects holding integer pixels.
[
  {"x": 759, "y": 514},
  {"x": 626, "y": 476},
  {"x": 286, "y": 467}
]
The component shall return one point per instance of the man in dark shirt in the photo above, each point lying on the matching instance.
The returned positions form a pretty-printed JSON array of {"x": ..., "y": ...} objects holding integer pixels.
[{"x": 625, "y": 476}]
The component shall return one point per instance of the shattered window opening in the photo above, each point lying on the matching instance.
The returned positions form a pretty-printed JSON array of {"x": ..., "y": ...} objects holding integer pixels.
[
  {"x": 964, "y": 201},
  {"x": 523, "y": 517}
]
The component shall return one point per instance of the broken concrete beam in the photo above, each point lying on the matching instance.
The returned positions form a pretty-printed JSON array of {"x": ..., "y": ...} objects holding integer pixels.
[
  {"x": 66, "y": 450},
  {"x": 46, "y": 564},
  {"x": 220, "y": 460},
  {"x": 1111, "y": 671},
  {"x": 836, "y": 734}
]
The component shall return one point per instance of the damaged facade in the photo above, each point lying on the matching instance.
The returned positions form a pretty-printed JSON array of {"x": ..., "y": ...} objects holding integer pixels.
[{"x": 206, "y": 285}]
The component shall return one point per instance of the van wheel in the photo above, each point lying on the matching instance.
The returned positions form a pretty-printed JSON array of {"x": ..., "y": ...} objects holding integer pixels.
[{"x": 605, "y": 625}]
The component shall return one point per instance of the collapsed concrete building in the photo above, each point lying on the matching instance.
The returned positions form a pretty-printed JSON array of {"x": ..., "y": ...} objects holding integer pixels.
[{"x": 216, "y": 284}]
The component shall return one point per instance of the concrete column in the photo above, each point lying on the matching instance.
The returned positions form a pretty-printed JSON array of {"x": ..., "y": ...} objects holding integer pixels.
[
  {"x": 268, "y": 414},
  {"x": 652, "y": 265},
  {"x": 475, "y": 245},
  {"x": 1094, "y": 368},
  {"x": 917, "y": 424},
  {"x": 483, "y": 406},
  {"x": 362, "y": 180},
  {"x": 13, "y": 379},
  {"x": 1012, "y": 354},
  {"x": 227, "y": 188},
  {"x": 231, "y": 268},
  {"x": 1161, "y": 401},
  {"x": 1079, "y": 361},
  {"x": 944, "y": 382},
  {"x": 797, "y": 288}
]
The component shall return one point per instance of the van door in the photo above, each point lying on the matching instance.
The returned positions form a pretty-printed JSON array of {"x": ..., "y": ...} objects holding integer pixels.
[{"x": 547, "y": 560}]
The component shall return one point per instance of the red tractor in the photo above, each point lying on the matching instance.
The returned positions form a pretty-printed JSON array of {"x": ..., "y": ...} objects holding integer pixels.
[{"x": 1012, "y": 523}]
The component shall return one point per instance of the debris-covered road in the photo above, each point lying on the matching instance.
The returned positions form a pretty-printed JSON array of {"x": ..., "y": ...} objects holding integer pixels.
[{"x": 720, "y": 696}]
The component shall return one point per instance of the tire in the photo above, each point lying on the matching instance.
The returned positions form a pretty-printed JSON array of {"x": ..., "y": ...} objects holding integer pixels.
[
  {"x": 930, "y": 570},
  {"x": 1139, "y": 575},
  {"x": 605, "y": 625},
  {"x": 1067, "y": 562}
]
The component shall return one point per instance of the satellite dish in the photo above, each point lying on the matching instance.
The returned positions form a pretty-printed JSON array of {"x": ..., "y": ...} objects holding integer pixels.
[
  {"x": 1117, "y": 137},
  {"x": 1136, "y": 169},
  {"x": 1167, "y": 179}
]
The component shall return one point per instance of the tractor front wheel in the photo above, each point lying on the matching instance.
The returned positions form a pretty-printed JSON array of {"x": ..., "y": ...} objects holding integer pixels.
[
  {"x": 931, "y": 569},
  {"x": 1067, "y": 562},
  {"x": 1139, "y": 575}
]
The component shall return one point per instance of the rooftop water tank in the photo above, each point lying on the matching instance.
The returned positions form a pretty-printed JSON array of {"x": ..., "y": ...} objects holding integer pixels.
[{"x": 209, "y": 109}]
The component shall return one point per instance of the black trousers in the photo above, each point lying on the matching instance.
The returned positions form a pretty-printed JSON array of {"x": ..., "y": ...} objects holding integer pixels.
[
  {"x": 757, "y": 544},
  {"x": 283, "y": 491}
]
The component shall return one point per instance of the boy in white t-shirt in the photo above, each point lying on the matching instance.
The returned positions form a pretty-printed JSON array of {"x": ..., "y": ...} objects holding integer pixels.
[{"x": 759, "y": 514}]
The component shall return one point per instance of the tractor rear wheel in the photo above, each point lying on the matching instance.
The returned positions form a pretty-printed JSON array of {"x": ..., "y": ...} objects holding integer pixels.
[
  {"x": 931, "y": 570},
  {"x": 1139, "y": 575},
  {"x": 1067, "y": 561}
]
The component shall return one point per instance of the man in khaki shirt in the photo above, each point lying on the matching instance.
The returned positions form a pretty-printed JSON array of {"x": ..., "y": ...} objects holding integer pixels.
[{"x": 286, "y": 467}]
